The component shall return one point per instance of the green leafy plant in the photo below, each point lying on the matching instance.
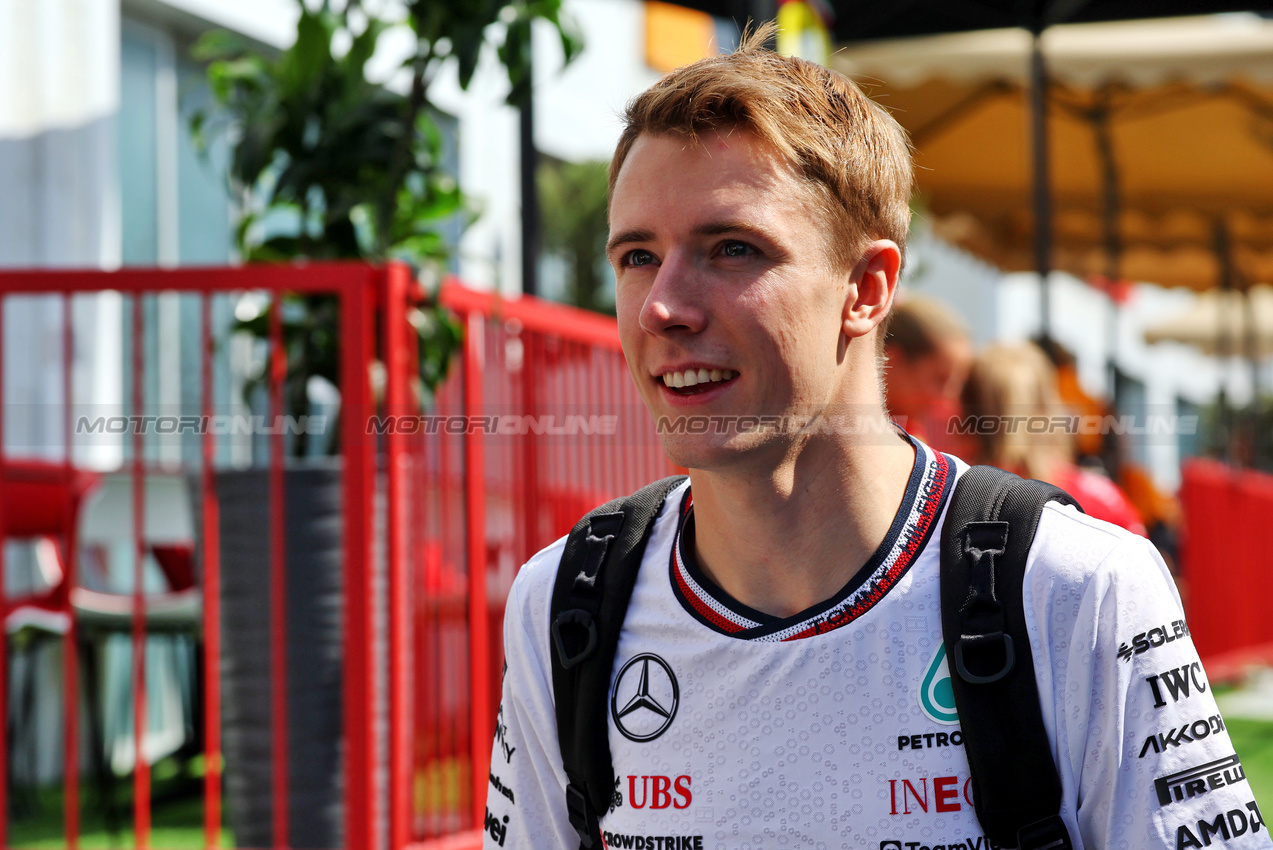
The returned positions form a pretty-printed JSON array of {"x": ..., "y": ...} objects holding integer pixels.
[
  {"x": 573, "y": 198},
  {"x": 328, "y": 165}
]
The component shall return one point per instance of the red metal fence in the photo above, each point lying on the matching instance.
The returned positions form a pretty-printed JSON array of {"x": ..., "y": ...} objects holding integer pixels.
[
  {"x": 440, "y": 500},
  {"x": 1228, "y": 581}
]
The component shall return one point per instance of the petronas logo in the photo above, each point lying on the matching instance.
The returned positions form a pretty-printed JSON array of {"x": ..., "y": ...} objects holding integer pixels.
[{"x": 936, "y": 695}]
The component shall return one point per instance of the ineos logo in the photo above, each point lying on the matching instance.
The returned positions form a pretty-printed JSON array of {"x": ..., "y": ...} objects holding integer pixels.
[{"x": 645, "y": 697}]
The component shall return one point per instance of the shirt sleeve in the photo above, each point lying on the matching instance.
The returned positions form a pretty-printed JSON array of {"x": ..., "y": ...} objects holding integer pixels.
[
  {"x": 525, "y": 802},
  {"x": 1144, "y": 756}
]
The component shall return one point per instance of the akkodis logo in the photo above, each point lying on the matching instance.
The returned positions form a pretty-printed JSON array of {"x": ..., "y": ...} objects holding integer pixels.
[{"x": 936, "y": 694}]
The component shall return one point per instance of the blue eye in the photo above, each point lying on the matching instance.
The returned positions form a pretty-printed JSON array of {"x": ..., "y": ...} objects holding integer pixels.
[{"x": 734, "y": 248}]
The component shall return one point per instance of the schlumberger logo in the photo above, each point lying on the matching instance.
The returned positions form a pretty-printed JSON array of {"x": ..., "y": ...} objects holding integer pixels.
[{"x": 1199, "y": 780}]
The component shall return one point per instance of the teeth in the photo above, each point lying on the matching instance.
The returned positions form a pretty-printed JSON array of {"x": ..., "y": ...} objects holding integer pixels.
[{"x": 694, "y": 377}]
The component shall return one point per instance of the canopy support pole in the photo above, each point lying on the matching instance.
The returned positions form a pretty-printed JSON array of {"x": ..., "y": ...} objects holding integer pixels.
[
  {"x": 1112, "y": 237},
  {"x": 1224, "y": 345},
  {"x": 528, "y": 157},
  {"x": 1042, "y": 185}
]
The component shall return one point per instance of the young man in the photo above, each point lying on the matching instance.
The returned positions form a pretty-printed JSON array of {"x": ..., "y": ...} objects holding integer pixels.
[{"x": 780, "y": 679}]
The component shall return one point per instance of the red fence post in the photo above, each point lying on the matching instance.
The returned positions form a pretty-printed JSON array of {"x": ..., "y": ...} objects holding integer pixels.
[
  {"x": 4, "y": 612},
  {"x": 211, "y": 598},
  {"x": 141, "y": 768},
  {"x": 70, "y": 641},
  {"x": 481, "y": 725},
  {"x": 356, "y": 314},
  {"x": 397, "y": 279},
  {"x": 278, "y": 582}
]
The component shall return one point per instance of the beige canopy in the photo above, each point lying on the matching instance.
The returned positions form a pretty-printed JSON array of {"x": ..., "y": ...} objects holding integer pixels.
[
  {"x": 1234, "y": 323},
  {"x": 1161, "y": 136}
]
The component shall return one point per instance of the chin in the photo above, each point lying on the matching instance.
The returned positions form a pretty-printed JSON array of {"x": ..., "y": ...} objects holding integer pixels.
[{"x": 710, "y": 452}]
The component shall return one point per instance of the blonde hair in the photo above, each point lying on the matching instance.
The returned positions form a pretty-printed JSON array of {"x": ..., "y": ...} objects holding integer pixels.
[
  {"x": 1008, "y": 381},
  {"x": 918, "y": 325},
  {"x": 852, "y": 156}
]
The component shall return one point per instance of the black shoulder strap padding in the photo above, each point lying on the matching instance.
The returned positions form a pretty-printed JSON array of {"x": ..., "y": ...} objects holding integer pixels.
[
  {"x": 986, "y": 539},
  {"x": 595, "y": 579}
]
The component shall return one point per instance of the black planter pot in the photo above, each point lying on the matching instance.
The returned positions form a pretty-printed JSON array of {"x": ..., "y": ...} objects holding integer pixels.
[{"x": 314, "y": 628}]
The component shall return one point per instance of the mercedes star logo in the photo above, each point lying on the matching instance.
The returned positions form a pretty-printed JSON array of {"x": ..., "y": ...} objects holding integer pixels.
[{"x": 645, "y": 697}]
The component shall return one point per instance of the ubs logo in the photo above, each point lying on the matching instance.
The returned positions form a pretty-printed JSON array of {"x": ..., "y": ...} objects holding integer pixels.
[{"x": 645, "y": 697}]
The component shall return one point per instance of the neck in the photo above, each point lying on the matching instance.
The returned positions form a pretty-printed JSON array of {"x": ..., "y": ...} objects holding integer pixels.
[{"x": 785, "y": 537}]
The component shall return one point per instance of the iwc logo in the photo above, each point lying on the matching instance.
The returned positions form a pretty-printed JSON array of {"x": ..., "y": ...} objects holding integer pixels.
[
  {"x": 645, "y": 697},
  {"x": 936, "y": 695}
]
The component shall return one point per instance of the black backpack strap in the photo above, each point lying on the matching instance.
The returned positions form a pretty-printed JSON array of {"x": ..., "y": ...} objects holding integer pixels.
[
  {"x": 986, "y": 539},
  {"x": 590, "y": 600}
]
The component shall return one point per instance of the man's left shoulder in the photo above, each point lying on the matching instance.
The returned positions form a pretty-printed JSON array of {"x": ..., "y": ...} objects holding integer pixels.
[{"x": 1071, "y": 547}]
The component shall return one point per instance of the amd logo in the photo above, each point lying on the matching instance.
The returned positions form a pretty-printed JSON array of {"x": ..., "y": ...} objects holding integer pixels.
[{"x": 1230, "y": 824}]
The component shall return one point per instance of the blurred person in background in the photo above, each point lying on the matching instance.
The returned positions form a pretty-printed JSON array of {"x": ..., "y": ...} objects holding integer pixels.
[
  {"x": 1014, "y": 386},
  {"x": 929, "y": 352},
  {"x": 1105, "y": 453}
]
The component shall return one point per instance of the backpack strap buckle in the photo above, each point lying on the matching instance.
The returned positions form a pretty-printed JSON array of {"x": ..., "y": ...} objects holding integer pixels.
[
  {"x": 983, "y": 635},
  {"x": 1047, "y": 834},
  {"x": 582, "y": 817},
  {"x": 574, "y": 617},
  {"x": 983, "y": 645}
]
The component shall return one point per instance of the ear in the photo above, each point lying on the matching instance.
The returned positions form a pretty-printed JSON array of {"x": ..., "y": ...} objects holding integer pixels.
[{"x": 874, "y": 284}]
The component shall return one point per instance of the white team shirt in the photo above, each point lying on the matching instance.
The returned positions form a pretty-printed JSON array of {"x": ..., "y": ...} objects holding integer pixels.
[{"x": 730, "y": 728}]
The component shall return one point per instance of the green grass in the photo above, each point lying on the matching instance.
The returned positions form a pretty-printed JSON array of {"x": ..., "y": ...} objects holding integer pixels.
[
  {"x": 176, "y": 814},
  {"x": 1253, "y": 742},
  {"x": 175, "y": 825}
]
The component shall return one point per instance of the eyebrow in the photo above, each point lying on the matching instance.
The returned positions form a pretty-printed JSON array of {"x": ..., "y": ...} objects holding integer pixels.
[
  {"x": 712, "y": 229},
  {"x": 635, "y": 235},
  {"x": 718, "y": 228}
]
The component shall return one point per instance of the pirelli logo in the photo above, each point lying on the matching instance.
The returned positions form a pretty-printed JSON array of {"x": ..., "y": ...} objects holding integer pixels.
[{"x": 1199, "y": 780}]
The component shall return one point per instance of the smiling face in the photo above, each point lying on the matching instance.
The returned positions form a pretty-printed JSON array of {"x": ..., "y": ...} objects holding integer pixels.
[{"x": 728, "y": 301}]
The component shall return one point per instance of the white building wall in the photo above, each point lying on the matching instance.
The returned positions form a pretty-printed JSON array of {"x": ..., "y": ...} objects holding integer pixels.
[{"x": 576, "y": 118}]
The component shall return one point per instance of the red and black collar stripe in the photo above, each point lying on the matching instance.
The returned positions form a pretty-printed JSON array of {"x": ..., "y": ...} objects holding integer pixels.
[{"x": 926, "y": 493}]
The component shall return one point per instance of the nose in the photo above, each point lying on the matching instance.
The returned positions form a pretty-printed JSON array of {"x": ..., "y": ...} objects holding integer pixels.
[{"x": 673, "y": 304}]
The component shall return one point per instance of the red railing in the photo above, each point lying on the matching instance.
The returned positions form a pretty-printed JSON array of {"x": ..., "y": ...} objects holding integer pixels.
[
  {"x": 441, "y": 500},
  {"x": 539, "y": 369},
  {"x": 1225, "y": 564}
]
